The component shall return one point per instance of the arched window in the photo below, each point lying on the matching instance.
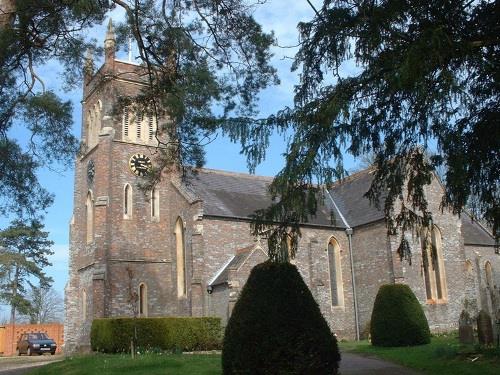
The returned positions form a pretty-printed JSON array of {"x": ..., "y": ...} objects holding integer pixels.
[
  {"x": 138, "y": 125},
  {"x": 181, "y": 258},
  {"x": 433, "y": 265},
  {"x": 151, "y": 127},
  {"x": 489, "y": 274},
  {"x": 84, "y": 304},
  {"x": 335, "y": 270},
  {"x": 90, "y": 129},
  {"x": 127, "y": 201},
  {"x": 155, "y": 203},
  {"x": 126, "y": 122},
  {"x": 89, "y": 213},
  {"x": 468, "y": 267},
  {"x": 143, "y": 300},
  {"x": 97, "y": 121}
]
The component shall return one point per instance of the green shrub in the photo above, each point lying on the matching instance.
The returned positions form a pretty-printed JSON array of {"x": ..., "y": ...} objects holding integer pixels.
[
  {"x": 397, "y": 318},
  {"x": 276, "y": 327},
  {"x": 113, "y": 335}
]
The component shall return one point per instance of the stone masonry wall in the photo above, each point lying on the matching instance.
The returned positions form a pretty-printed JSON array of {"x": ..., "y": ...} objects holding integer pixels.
[
  {"x": 223, "y": 237},
  {"x": 442, "y": 314}
]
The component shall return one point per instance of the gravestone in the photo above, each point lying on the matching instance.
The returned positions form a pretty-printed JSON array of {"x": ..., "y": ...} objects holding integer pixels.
[
  {"x": 484, "y": 328},
  {"x": 465, "y": 329}
]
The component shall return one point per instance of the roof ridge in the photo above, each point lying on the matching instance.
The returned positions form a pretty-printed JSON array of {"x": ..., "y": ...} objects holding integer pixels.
[
  {"x": 354, "y": 176},
  {"x": 230, "y": 173}
]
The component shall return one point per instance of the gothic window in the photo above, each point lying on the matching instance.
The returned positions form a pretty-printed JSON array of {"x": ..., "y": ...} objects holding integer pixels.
[
  {"x": 155, "y": 203},
  {"x": 138, "y": 126},
  {"x": 90, "y": 129},
  {"x": 138, "y": 123},
  {"x": 143, "y": 300},
  {"x": 433, "y": 266},
  {"x": 127, "y": 201},
  {"x": 489, "y": 274},
  {"x": 181, "y": 258},
  {"x": 94, "y": 124},
  {"x": 84, "y": 304},
  {"x": 468, "y": 267},
  {"x": 97, "y": 121},
  {"x": 335, "y": 270},
  {"x": 89, "y": 211},
  {"x": 151, "y": 129},
  {"x": 126, "y": 122}
]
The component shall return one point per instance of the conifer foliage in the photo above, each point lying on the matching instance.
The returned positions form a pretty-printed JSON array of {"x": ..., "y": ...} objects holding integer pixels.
[
  {"x": 397, "y": 318},
  {"x": 276, "y": 327},
  {"x": 420, "y": 75}
]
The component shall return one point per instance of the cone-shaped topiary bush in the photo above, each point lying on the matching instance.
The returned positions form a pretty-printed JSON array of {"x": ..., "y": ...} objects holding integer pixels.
[
  {"x": 277, "y": 328},
  {"x": 398, "y": 318}
]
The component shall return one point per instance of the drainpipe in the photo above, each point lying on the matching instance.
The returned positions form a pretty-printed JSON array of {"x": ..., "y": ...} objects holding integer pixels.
[{"x": 349, "y": 232}]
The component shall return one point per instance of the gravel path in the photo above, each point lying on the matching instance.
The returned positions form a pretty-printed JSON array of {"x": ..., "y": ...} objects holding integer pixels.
[
  {"x": 23, "y": 364},
  {"x": 353, "y": 364}
]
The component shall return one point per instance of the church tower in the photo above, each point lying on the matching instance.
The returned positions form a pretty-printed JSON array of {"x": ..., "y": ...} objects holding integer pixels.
[{"x": 127, "y": 246}]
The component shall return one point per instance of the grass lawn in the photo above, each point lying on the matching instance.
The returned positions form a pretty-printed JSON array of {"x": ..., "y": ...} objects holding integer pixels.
[
  {"x": 151, "y": 364},
  {"x": 442, "y": 356}
]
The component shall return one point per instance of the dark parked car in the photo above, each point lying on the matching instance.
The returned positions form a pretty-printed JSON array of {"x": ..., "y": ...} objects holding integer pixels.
[{"x": 39, "y": 343}]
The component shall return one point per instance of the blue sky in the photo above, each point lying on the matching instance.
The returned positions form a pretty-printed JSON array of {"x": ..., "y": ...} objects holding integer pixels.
[{"x": 281, "y": 16}]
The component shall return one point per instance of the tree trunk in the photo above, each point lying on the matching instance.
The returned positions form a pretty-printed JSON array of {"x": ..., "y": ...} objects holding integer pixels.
[{"x": 14, "y": 295}]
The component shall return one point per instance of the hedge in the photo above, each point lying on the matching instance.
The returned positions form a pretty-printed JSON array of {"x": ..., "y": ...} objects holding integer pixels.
[
  {"x": 397, "y": 318},
  {"x": 113, "y": 335},
  {"x": 277, "y": 327}
]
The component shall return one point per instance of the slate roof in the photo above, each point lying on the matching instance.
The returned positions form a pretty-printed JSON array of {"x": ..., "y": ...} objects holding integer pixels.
[
  {"x": 238, "y": 195},
  {"x": 474, "y": 234},
  {"x": 349, "y": 193},
  {"x": 235, "y": 262}
]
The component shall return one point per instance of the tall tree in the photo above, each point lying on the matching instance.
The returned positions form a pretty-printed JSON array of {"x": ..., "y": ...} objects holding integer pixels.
[
  {"x": 425, "y": 73},
  {"x": 32, "y": 33},
  {"x": 46, "y": 305},
  {"x": 205, "y": 59},
  {"x": 24, "y": 251}
]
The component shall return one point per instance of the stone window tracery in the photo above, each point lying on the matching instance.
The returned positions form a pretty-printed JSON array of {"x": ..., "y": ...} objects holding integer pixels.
[
  {"x": 180, "y": 258},
  {"x": 433, "y": 266},
  {"x": 138, "y": 126},
  {"x": 94, "y": 124},
  {"x": 335, "y": 273}
]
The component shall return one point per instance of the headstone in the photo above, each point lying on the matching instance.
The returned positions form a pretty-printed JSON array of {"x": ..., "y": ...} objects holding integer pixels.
[
  {"x": 484, "y": 328},
  {"x": 465, "y": 329}
]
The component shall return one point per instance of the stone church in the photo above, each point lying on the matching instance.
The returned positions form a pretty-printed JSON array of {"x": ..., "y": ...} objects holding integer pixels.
[{"x": 185, "y": 249}]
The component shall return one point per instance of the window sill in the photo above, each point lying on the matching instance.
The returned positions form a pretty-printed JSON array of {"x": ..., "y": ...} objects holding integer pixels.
[{"x": 436, "y": 302}]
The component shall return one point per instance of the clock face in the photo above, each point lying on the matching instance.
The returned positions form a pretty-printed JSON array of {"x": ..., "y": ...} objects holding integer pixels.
[
  {"x": 90, "y": 171},
  {"x": 140, "y": 164}
]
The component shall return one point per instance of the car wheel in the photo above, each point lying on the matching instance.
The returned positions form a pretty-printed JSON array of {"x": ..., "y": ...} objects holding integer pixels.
[
  {"x": 52, "y": 353},
  {"x": 28, "y": 352}
]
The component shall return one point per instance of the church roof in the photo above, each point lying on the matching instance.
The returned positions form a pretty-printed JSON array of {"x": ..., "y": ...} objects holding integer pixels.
[
  {"x": 239, "y": 195},
  {"x": 474, "y": 233},
  {"x": 234, "y": 263},
  {"x": 349, "y": 193}
]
